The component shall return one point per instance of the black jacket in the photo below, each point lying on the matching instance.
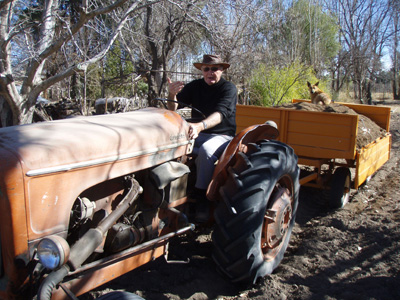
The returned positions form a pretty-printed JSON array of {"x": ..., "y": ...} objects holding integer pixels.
[{"x": 220, "y": 97}]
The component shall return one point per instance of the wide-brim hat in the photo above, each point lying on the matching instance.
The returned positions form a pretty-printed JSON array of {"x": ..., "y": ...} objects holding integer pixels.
[{"x": 209, "y": 59}]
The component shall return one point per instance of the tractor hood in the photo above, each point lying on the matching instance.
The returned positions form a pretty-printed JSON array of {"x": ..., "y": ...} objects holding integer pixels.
[
  {"x": 45, "y": 166},
  {"x": 72, "y": 143}
]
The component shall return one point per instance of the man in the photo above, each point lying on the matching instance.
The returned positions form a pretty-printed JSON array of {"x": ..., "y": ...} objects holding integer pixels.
[{"x": 216, "y": 98}]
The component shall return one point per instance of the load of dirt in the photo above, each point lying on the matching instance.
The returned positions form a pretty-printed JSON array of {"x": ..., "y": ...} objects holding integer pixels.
[{"x": 368, "y": 130}]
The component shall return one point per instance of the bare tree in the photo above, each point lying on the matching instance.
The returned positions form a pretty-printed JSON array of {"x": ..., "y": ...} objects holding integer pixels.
[
  {"x": 53, "y": 32},
  {"x": 395, "y": 11},
  {"x": 364, "y": 31},
  {"x": 152, "y": 39},
  {"x": 184, "y": 30},
  {"x": 233, "y": 29}
]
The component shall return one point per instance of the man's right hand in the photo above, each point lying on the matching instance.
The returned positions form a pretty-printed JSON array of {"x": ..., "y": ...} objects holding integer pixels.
[{"x": 174, "y": 87}]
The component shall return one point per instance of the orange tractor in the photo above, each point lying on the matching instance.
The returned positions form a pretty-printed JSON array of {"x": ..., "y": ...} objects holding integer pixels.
[{"x": 88, "y": 199}]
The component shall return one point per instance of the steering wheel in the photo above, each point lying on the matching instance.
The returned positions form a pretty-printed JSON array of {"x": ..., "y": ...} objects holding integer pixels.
[{"x": 163, "y": 101}]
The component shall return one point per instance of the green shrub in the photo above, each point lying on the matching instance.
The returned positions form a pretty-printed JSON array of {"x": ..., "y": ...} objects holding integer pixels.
[{"x": 272, "y": 86}]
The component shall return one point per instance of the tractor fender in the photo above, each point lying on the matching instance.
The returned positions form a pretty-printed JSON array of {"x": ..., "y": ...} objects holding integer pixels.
[{"x": 239, "y": 143}]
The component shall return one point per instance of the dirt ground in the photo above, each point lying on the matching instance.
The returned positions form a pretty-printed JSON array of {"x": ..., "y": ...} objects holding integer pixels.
[{"x": 351, "y": 253}]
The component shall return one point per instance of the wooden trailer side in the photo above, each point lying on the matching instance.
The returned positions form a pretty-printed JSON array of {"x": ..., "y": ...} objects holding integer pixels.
[
  {"x": 370, "y": 158},
  {"x": 379, "y": 114},
  {"x": 311, "y": 134},
  {"x": 320, "y": 135}
]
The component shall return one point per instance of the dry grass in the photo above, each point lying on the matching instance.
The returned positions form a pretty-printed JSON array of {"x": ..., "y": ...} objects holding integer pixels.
[
  {"x": 382, "y": 96},
  {"x": 377, "y": 96}
]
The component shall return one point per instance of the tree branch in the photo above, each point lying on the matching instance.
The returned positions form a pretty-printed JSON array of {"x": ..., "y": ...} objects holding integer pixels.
[{"x": 84, "y": 65}]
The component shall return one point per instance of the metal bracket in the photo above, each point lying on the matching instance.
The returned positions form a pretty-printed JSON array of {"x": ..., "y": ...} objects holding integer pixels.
[
  {"x": 68, "y": 291},
  {"x": 170, "y": 261}
]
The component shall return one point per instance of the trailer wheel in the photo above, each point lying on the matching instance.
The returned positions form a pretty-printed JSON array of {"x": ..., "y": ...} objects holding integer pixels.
[
  {"x": 255, "y": 219},
  {"x": 119, "y": 295},
  {"x": 340, "y": 188}
]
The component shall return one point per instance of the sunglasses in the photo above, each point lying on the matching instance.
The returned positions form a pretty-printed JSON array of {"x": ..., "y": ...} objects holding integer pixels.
[{"x": 214, "y": 69}]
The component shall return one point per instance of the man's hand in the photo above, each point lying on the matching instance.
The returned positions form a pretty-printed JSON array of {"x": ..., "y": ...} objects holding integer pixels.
[
  {"x": 173, "y": 89},
  {"x": 194, "y": 130},
  {"x": 211, "y": 121}
]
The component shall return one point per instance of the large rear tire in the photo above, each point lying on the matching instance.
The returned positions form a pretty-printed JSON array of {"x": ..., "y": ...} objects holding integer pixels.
[{"x": 255, "y": 219}]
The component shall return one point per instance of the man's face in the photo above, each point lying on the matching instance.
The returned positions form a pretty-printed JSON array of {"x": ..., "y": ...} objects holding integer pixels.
[{"x": 211, "y": 73}]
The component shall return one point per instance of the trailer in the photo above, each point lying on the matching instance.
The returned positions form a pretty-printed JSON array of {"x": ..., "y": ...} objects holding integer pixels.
[{"x": 325, "y": 143}]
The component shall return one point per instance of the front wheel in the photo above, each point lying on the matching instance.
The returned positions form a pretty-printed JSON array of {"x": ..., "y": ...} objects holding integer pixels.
[{"x": 255, "y": 219}]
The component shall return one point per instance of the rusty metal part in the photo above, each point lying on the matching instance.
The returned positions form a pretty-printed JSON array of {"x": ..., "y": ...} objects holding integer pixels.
[
  {"x": 86, "y": 245},
  {"x": 122, "y": 236},
  {"x": 277, "y": 220},
  {"x": 152, "y": 244},
  {"x": 181, "y": 217},
  {"x": 68, "y": 292}
]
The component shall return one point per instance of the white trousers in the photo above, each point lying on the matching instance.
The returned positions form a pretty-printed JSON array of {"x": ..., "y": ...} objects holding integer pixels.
[{"x": 208, "y": 148}]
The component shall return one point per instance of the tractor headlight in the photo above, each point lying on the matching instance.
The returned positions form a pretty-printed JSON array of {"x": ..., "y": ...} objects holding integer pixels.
[{"x": 53, "y": 252}]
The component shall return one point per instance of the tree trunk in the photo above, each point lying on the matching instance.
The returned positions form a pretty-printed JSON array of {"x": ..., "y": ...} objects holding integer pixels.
[
  {"x": 368, "y": 93},
  {"x": 6, "y": 115},
  {"x": 395, "y": 64}
]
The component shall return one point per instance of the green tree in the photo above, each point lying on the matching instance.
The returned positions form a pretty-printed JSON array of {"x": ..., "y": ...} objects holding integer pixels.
[
  {"x": 315, "y": 32},
  {"x": 118, "y": 69},
  {"x": 93, "y": 82},
  {"x": 302, "y": 32}
]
